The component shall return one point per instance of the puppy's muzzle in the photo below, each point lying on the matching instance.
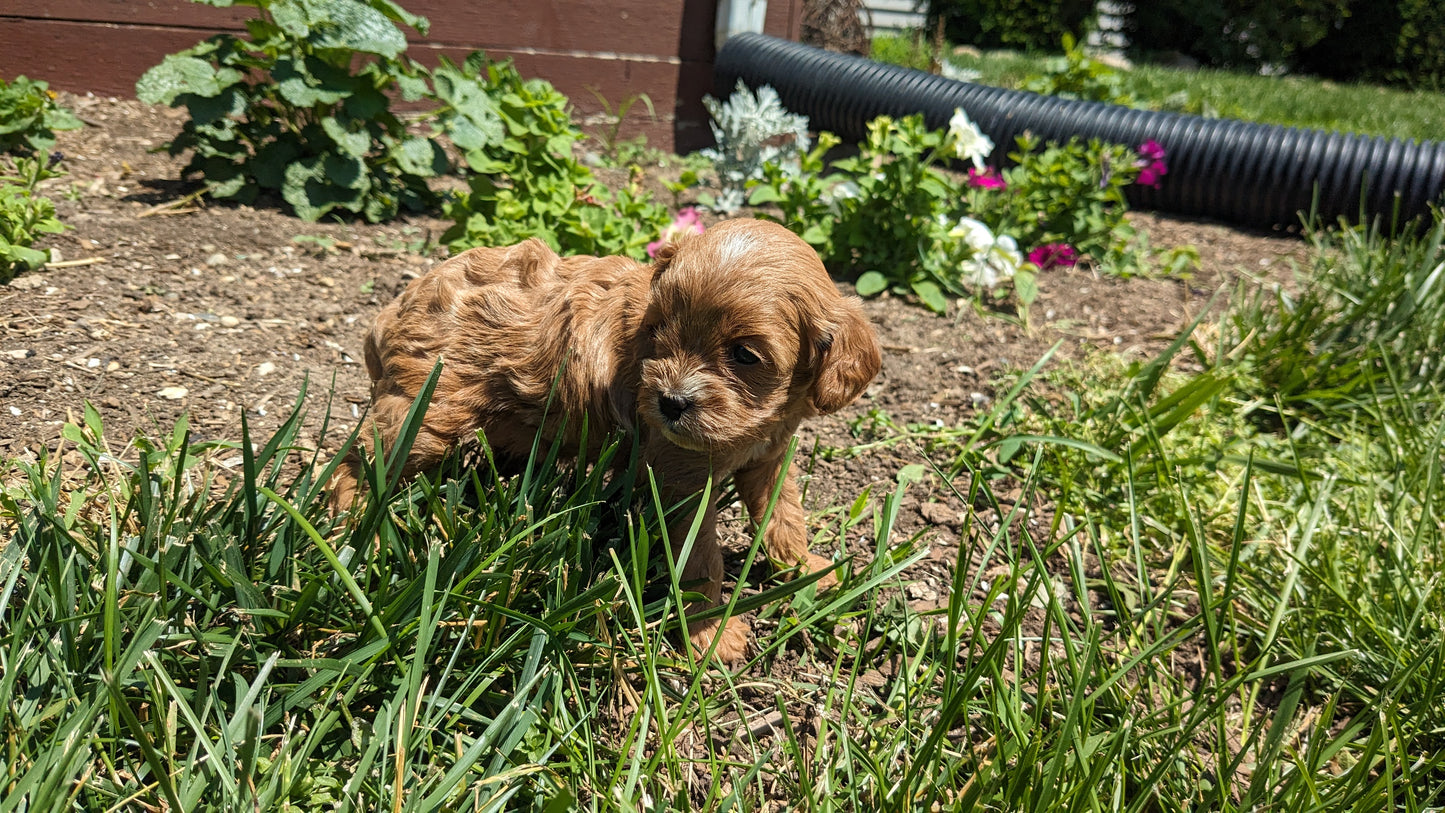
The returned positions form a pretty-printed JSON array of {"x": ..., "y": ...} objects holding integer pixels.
[{"x": 673, "y": 406}]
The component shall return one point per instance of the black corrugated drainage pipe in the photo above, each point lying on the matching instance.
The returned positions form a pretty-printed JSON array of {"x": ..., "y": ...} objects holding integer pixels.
[{"x": 1244, "y": 173}]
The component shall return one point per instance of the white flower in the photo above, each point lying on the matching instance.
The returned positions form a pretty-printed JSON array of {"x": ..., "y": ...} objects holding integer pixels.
[
  {"x": 992, "y": 258},
  {"x": 974, "y": 234},
  {"x": 847, "y": 190},
  {"x": 969, "y": 142},
  {"x": 1000, "y": 261}
]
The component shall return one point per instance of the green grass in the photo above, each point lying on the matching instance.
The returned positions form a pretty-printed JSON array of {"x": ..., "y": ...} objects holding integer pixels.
[
  {"x": 1217, "y": 583},
  {"x": 1296, "y": 101}
]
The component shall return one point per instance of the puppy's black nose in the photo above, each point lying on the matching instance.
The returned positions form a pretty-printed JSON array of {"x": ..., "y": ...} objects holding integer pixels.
[{"x": 672, "y": 406}]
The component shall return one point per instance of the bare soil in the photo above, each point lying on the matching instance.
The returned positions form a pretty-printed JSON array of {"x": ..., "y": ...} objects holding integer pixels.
[{"x": 161, "y": 306}]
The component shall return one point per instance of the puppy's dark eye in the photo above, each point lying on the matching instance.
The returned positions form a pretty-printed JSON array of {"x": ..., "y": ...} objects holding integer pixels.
[{"x": 742, "y": 355}]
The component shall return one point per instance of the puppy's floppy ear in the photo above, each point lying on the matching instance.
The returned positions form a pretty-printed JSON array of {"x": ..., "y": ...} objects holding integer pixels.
[
  {"x": 849, "y": 358},
  {"x": 662, "y": 258}
]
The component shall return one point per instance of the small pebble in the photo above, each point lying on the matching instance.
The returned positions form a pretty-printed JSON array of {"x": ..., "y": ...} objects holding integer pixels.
[
  {"x": 265, "y": 368},
  {"x": 173, "y": 393},
  {"x": 230, "y": 321}
]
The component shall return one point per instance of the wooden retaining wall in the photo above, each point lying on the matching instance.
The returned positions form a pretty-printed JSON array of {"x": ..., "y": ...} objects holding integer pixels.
[{"x": 663, "y": 48}]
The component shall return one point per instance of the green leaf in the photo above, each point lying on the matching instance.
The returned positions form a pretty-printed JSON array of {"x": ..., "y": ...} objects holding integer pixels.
[
  {"x": 412, "y": 88},
  {"x": 225, "y": 179},
  {"x": 355, "y": 143},
  {"x": 366, "y": 103},
  {"x": 347, "y": 172},
  {"x": 871, "y": 283},
  {"x": 352, "y": 26},
  {"x": 212, "y": 109},
  {"x": 474, "y": 122},
  {"x": 931, "y": 295},
  {"x": 912, "y": 473},
  {"x": 766, "y": 193},
  {"x": 271, "y": 161},
  {"x": 1026, "y": 286},
  {"x": 420, "y": 156},
  {"x": 299, "y": 84},
  {"x": 183, "y": 74},
  {"x": 315, "y": 186}
]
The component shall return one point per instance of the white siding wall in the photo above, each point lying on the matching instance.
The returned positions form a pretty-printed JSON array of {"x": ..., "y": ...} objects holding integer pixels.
[{"x": 894, "y": 16}]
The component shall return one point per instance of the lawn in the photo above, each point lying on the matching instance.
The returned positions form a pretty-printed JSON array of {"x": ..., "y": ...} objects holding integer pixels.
[
  {"x": 1295, "y": 101},
  {"x": 1168, "y": 539}
]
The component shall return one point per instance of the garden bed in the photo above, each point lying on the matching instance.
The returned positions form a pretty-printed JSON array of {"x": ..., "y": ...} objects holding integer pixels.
[{"x": 160, "y": 307}]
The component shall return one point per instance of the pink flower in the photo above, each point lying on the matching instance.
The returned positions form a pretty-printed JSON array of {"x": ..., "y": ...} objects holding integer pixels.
[
  {"x": 688, "y": 221},
  {"x": 1151, "y": 150},
  {"x": 987, "y": 179},
  {"x": 1151, "y": 163},
  {"x": 1054, "y": 255}
]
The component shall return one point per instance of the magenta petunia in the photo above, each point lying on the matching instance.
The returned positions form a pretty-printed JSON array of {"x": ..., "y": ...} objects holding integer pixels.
[
  {"x": 987, "y": 179},
  {"x": 1151, "y": 163},
  {"x": 688, "y": 221},
  {"x": 1054, "y": 255}
]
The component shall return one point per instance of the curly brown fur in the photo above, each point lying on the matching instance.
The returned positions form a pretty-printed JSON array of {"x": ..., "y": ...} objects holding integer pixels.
[{"x": 713, "y": 354}]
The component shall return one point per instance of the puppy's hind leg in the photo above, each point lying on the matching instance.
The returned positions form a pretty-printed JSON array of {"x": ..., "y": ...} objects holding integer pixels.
[{"x": 433, "y": 440}]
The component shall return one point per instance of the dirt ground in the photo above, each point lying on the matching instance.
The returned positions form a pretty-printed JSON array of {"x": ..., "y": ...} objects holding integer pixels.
[{"x": 156, "y": 309}]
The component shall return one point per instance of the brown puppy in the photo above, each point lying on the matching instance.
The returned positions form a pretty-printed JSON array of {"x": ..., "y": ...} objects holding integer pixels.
[{"x": 714, "y": 354}]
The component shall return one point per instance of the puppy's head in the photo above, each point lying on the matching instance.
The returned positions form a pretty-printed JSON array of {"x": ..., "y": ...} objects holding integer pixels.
[{"x": 744, "y": 336}]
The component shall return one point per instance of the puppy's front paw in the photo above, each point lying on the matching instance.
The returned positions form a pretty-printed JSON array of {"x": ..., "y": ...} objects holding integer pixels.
[
  {"x": 816, "y": 563},
  {"x": 732, "y": 645}
]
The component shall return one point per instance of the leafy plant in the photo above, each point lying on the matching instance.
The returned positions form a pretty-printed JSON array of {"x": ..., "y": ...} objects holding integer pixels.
[
  {"x": 895, "y": 218},
  {"x": 1076, "y": 76},
  {"x": 751, "y": 131},
  {"x": 890, "y": 216},
  {"x": 1031, "y": 25},
  {"x": 615, "y": 150},
  {"x": 532, "y": 185},
  {"x": 1069, "y": 193},
  {"x": 303, "y": 107},
  {"x": 25, "y": 215},
  {"x": 1371, "y": 319},
  {"x": 30, "y": 115}
]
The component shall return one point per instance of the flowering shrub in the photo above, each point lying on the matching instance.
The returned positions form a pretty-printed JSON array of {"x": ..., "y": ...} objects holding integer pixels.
[
  {"x": 1065, "y": 193},
  {"x": 844, "y": 213},
  {"x": 967, "y": 141},
  {"x": 891, "y": 216}
]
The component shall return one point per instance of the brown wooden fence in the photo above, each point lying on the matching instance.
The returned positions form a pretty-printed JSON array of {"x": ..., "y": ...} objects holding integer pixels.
[{"x": 620, "y": 48}]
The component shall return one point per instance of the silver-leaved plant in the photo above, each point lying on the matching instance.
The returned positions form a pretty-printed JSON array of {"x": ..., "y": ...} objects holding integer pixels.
[{"x": 750, "y": 130}]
